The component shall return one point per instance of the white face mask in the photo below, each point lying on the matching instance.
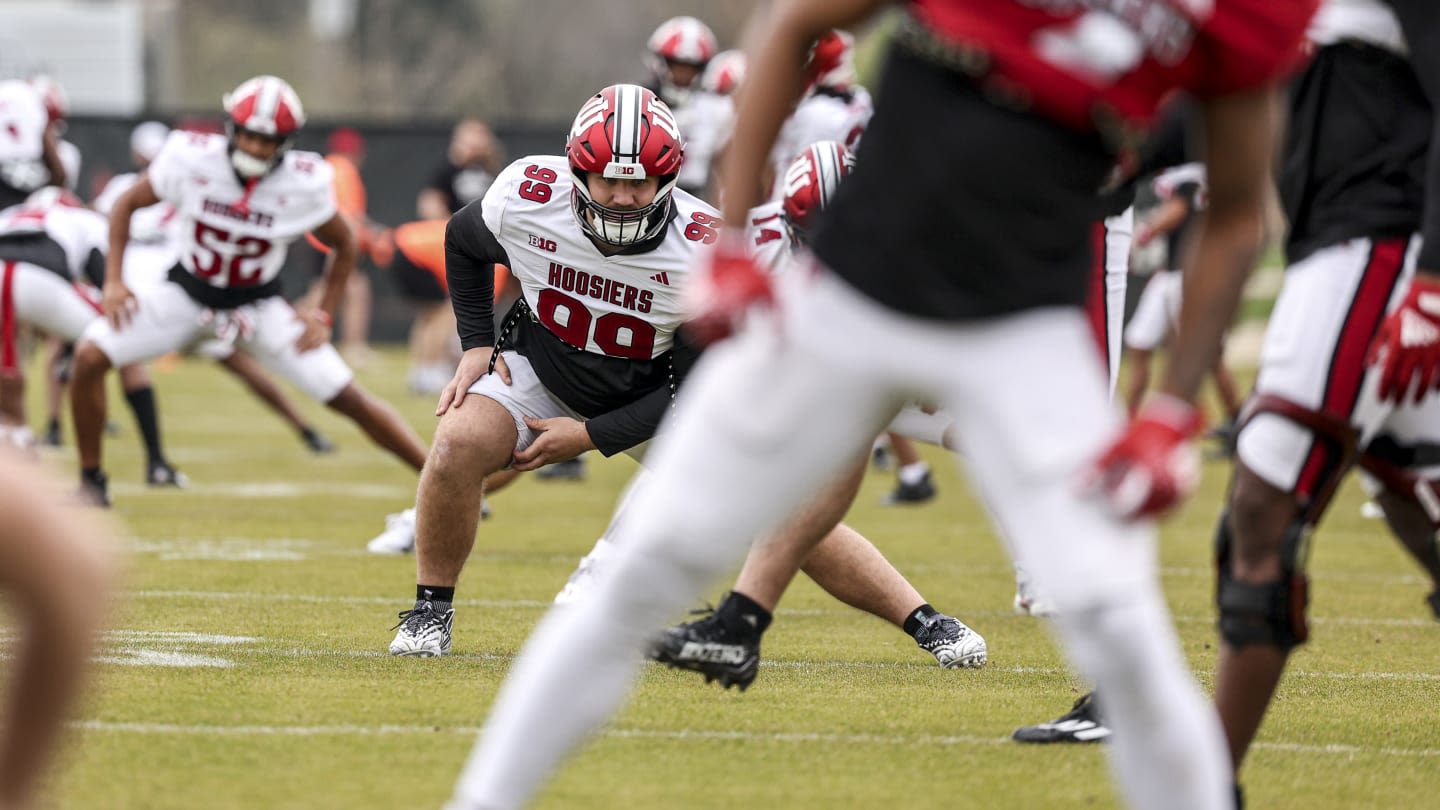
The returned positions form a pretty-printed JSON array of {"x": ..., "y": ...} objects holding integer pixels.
[
  {"x": 619, "y": 233},
  {"x": 247, "y": 165}
]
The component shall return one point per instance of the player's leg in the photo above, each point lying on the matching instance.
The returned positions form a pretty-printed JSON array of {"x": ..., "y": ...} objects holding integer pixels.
[
  {"x": 263, "y": 386},
  {"x": 381, "y": 422},
  {"x": 1290, "y": 455},
  {"x": 1029, "y": 441},
  {"x": 140, "y": 396},
  {"x": 794, "y": 409},
  {"x": 913, "y": 482},
  {"x": 55, "y": 565}
]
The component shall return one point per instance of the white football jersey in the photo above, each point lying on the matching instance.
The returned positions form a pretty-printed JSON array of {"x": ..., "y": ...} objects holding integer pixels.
[
  {"x": 820, "y": 117},
  {"x": 768, "y": 237},
  {"x": 626, "y": 306},
  {"x": 706, "y": 125},
  {"x": 154, "y": 224},
  {"x": 78, "y": 231},
  {"x": 228, "y": 237}
]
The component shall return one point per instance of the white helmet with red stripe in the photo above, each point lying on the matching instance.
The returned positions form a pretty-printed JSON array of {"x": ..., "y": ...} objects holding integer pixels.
[
  {"x": 266, "y": 106},
  {"x": 680, "y": 41},
  {"x": 624, "y": 132},
  {"x": 724, "y": 73},
  {"x": 57, "y": 104},
  {"x": 810, "y": 183}
]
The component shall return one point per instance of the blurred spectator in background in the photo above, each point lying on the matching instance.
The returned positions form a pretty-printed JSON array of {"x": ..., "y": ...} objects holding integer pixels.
[
  {"x": 414, "y": 253},
  {"x": 474, "y": 158}
]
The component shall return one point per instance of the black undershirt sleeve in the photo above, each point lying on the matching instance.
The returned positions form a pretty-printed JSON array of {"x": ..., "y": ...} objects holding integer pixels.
[
  {"x": 1420, "y": 21},
  {"x": 471, "y": 253},
  {"x": 629, "y": 425}
]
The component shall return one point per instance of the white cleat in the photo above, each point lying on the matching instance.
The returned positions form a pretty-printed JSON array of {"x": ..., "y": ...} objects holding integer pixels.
[
  {"x": 424, "y": 632},
  {"x": 582, "y": 582},
  {"x": 398, "y": 537},
  {"x": 954, "y": 645}
]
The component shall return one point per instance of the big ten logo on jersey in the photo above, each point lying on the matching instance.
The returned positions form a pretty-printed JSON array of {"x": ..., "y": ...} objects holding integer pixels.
[
  {"x": 547, "y": 245},
  {"x": 1108, "y": 38},
  {"x": 537, "y": 187},
  {"x": 616, "y": 334}
]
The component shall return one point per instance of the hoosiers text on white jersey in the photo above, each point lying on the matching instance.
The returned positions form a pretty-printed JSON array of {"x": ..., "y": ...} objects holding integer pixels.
[
  {"x": 228, "y": 238},
  {"x": 78, "y": 231},
  {"x": 626, "y": 306}
]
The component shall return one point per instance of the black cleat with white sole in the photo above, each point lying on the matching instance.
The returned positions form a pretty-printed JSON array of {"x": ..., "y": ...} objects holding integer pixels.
[
  {"x": 709, "y": 647},
  {"x": 1082, "y": 724}
]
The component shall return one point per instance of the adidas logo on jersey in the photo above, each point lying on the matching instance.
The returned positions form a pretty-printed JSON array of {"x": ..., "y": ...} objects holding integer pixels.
[{"x": 663, "y": 278}]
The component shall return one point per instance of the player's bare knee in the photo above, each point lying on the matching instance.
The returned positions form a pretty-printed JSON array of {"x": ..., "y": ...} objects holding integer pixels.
[{"x": 90, "y": 362}]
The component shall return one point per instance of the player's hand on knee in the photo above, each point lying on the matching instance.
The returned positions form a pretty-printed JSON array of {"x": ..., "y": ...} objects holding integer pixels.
[
  {"x": 1152, "y": 466},
  {"x": 730, "y": 288},
  {"x": 317, "y": 329},
  {"x": 119, "y": 304},
  {"x": 557, "y": 439},
  {"x": 474, "y": 364},
  {"x": 1407, "y": 347}
]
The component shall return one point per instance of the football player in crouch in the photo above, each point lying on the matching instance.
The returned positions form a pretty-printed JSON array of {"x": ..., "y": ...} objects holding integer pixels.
[
  {"x": 725, "y": 645},
  {"x": 1025, "y": 120},
  {"x": 241, "y": 198}
]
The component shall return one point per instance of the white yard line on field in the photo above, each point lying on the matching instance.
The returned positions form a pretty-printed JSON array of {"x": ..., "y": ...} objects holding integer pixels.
[{"x": 204, "y": 730}]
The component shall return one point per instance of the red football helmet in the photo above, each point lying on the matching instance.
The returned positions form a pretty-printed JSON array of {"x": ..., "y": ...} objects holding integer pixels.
[
  {"x": 57, "y": 104},
  {"x": 724, "y": 73},
  {"x": 625, "y": 132},
  {"x": 811, "y": 180},
  {"x": 682, "y": 41},
  {"x": 832, "y": 61},
  {"x": 264, "y": 105}
]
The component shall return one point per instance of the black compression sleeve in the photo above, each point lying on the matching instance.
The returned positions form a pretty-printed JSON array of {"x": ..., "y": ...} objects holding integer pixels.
[
  {"x": 471, "y": 253},
  {"x": 1420, "y": 21},
  {"x": 623, "y": 428}
]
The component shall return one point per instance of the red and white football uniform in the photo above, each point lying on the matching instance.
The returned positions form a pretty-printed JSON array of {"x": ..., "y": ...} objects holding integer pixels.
[
  {"x": 154, "y": 245},
  {"x": 23, "y": 120},
  {"x": 617, "y": 309},
  {"x": 823, "y": 115},
  {"x": 233, "y": 238},
  {"x": 706, "y": 123},
  {"x": 47, "y": 254}
]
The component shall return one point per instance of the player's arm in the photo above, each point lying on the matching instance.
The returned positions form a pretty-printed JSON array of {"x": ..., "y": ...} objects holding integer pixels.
[
  {"x": 774, "y": 83},
  {"x": 1241, "y": 131},
  {"x": 1167, "y": 217},
  {"x": 471, "y": 253},
  {"x": 117, "y": 300},
  {"x": 627, "y": 426},
  {"x": 336, "y": 235},
  {"x": 50, "y": 153}
]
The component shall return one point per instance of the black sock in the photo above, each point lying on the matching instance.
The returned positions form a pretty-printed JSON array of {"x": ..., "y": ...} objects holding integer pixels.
[
  {"x": 742, "y": 614},
  {"x": 93, "y": 475},
  {"x": 440, "y": 597},
  {"x": 919, "y": 617},
  {"x": 142, "y": 404}
]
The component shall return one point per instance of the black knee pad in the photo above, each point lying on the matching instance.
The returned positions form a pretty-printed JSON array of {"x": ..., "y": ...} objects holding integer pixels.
[{"x": 1270, "y": 613}]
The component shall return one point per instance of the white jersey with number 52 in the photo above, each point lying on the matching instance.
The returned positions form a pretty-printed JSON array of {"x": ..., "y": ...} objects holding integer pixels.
[{"x": 229, "y": 238}]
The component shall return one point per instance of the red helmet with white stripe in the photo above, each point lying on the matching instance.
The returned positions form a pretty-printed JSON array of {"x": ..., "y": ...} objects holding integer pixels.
[
  {"x": 266, "y": 106},
  {"x": 832, "y": 61},
  {"x": 811, "y": 180},
  {"x": 724, "y": 73},
  {"x": 624, "y": 132},
  {"x": 680, "y": 41}
]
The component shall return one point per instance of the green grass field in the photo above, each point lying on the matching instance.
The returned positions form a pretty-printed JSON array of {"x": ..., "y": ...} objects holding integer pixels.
[{"x": 245, "y": 667}]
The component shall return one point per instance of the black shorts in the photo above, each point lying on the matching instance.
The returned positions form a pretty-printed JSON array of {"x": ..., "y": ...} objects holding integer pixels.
[
  {"x": 415, "y": 282},
  {"x": 959, "y": 208}
]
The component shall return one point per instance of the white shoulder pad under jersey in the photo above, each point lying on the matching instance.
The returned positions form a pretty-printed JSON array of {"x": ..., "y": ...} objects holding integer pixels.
[
  {"x": 77, "y": 231},
  {"x": 22, "y": 122},
  {"x": 622, "y": 306},
  {"x": 151, "y": 225},
  {"x": 1369, "y": 21},
  {"x": 768, "y": 237},
  {"x": 234, "y": 234}
]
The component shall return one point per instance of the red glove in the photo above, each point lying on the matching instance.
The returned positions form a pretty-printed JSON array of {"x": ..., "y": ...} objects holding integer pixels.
[
  {"x": 1407, "y": 346},
  {"x": 731, "y": 287},
  {"x": 1152, "y": 467}
]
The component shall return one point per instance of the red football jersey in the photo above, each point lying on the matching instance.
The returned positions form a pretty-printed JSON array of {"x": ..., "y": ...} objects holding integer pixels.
[{"x": 1109, "y": 63}]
